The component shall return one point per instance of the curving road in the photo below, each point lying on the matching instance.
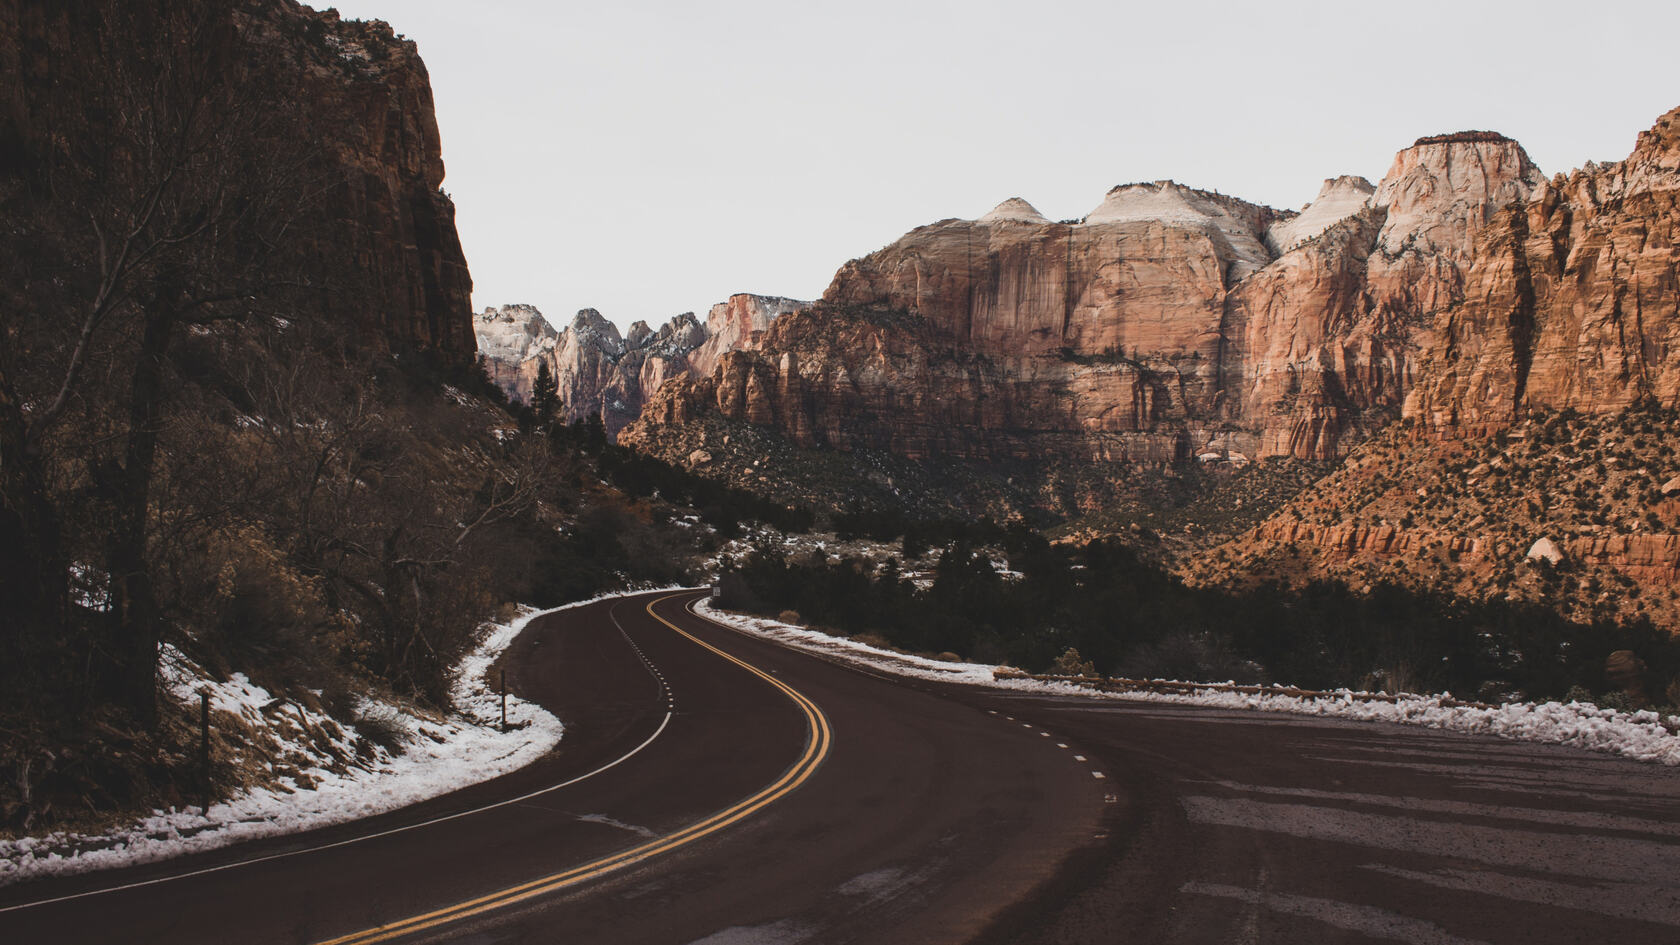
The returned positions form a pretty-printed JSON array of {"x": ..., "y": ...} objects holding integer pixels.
[
  {"x": 715, "y": 788},
  {"x": 747, "y": 791}
]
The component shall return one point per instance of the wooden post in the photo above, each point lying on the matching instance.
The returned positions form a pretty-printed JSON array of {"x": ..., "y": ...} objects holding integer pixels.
[
  {"x": 504, "y": 700},
  {"x": 204, "y": 747}
]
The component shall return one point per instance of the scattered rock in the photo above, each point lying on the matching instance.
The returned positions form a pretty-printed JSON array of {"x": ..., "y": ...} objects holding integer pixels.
[
  {"x": 1545, "y": 548},
  {"x": 1626, "y": 671}
]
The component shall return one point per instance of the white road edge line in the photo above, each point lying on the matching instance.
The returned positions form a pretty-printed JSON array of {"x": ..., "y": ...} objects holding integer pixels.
[{"x": 372, "y": 836}]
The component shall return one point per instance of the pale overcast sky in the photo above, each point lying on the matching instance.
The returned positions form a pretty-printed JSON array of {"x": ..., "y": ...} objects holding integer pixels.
[{"x": 647, "y": 158}]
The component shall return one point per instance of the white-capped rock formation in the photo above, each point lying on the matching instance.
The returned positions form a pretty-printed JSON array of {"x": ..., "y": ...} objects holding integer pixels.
[{"x": 599, "y": 372}]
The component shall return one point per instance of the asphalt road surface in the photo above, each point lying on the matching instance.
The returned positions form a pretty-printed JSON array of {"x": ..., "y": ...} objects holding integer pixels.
[{"x": 715, "y": 788}]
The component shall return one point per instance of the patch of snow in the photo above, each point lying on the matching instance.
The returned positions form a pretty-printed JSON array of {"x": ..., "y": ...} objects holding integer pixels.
[
  {"x": 1641, "y": 736},
  {"x": 442, "y": 755}
]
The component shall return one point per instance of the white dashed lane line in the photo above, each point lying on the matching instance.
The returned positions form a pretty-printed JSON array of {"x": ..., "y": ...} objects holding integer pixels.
[{"x": 1097, "y": 775}]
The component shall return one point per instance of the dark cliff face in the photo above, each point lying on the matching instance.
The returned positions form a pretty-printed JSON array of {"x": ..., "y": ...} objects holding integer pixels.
[{"x": 337, "y": 114}]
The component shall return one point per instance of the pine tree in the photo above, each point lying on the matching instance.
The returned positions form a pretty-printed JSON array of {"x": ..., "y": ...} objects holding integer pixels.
[{"x": 545, "y": 395}]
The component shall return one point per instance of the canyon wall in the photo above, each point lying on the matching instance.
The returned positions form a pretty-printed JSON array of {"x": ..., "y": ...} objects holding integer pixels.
[
  {"x": 337, "y": 113},
  {"x": 1172, "y": 322},
  {"x": 1573, "y": 301}
]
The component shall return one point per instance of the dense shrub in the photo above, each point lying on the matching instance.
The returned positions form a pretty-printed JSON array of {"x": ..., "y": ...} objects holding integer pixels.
[{"x": 1124, "y": 616}]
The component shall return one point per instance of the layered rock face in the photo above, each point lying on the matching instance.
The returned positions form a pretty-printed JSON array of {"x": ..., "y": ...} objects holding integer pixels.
[
  {"x": 513, "y": 340},
  {"x": 600, "y": 372},
  {"x": 385, "y": 221},
  {"x": 1573, "y": 300},
  {"x": 603, "y": 374},
  {"x": 738, "y": 325},
  {"x": 371, "y": 240},
  {"x": 1169, "y": 322}
]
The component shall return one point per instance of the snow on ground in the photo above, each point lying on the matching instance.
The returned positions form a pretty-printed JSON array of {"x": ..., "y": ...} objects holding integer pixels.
[
  {"x": 441, "y": 754},
  {"x": 1638, "y": 735},
  {"x": 800, "y": 544}
]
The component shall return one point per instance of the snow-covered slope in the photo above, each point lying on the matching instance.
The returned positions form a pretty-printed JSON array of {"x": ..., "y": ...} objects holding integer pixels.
[{"x": 335, "y": 779}]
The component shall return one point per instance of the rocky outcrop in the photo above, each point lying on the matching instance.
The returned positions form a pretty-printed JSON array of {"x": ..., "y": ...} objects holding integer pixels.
[
  {"x": 599, "y": 372},
  {"x": 603, "y": 374},
  {"x": 388, "y": 258},
  {"x": 513, "y": 341},
  {"x": 1338, "y": 199},
  {"x": 738, "y": 325},
  {"x": 1652, "y": 560},
  {"x": 325, "y": 123},
  {"x": 1146, "y": 272},
  {"x": 1571, "y": 301}
]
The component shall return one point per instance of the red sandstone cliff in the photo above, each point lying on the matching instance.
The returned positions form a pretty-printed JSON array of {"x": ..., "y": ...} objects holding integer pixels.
[
  {"x": 1168, "y": 322},
  {"x": 1573, "y": 300}
]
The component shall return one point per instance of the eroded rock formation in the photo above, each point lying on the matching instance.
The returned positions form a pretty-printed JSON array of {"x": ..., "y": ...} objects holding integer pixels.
[
  {"x": 1169, "y": 322},
  {"x": 1573, "y": 300},
  {"x": 600, "y": 372},
  {"x": 513, "y": 340}
]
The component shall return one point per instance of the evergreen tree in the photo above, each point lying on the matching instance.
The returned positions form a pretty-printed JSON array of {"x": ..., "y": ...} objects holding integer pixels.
[{"x": 545, "y": 396}]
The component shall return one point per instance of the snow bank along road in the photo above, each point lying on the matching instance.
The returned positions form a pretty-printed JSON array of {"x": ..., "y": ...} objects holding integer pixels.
[{"x": 759, "y": 795}]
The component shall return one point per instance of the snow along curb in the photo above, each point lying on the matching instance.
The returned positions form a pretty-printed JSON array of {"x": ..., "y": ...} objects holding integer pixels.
[
  {"x": 440, "y": 757},
  {"x": 1637, "y": 735}
]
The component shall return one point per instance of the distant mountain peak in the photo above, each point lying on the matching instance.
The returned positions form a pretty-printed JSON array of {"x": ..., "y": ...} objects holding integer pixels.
[{"x": 1014, "y": 210}]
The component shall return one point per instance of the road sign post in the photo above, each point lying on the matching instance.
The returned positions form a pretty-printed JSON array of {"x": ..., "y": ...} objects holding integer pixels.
[{"x": 204, "y": 749}]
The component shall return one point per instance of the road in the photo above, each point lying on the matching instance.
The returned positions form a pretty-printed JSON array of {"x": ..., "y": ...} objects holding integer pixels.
[
  {"x": 720, "y": 789},
  {"x": 1248, "y": 827},
  {"x": 922, "y": 821}
]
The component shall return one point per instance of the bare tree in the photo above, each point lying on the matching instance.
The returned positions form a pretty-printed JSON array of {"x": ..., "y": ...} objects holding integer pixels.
[{"x": 177, "y": 187}]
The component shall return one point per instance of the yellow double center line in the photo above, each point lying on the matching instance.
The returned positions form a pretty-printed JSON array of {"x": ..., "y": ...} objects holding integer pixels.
[{"x": 817, "y": 738}]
